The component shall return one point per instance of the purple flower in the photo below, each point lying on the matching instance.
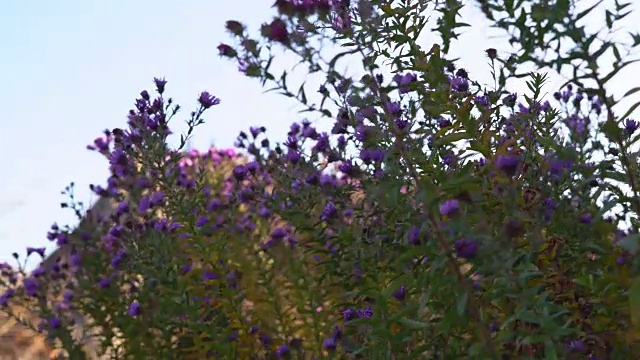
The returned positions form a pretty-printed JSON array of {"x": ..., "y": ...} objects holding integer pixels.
[
  {"x": 466, "y": 248},
  {"x": 62, "y": 239},
  {"x": 55, "y": 323},
  {"x": 576, "y": 345},
  {"x": 403, "y": 81},
  {"x": 135, "y": 309},
  {"x": 207, "y": 100},
  {"x": 209, "y": 276},
  {"x": 202, "y": 221},
  {"x": 342, "y": 23},
  {"x": 630, "y": 126},
  {"x": 361, "y": 132},
  {"x": 39, "y": 271},
  {"x": 557, "y": 168},
  {"x": 336, "y": 333},
  {"x": 349, "y": 314},
  {"x": 160, "y": 84},
  {"x": 4, "y": 298},
  {"x": 545, "y": 106},
  {"x": 233, "y": 336},
  {"x": 186, "y": 268},
  {"x": 143, "y": 183},
  {"x": 448, "y": 159},
  {"x": 174, "y": 226},
  {"x": 482, "y": 101},
  {"x": 240, "y": 172},
  {"x": 329, "y": 344},
  {"x": 226, "y": 50},
  {"x": 214, "y": 205},
  {"x": 460, "y": 84},
  {"x": 265, "y": 339},
  {"x": 31, "y": 286},
  {"x": 414, "y": 236},
  {"x": 255, "y": 131},
  {"x": 276, "y": 31},
  {"x": 278, "y": 233},
  {"x": 510, "y": 100},
  {"x": 586, "y": 218},
  {"x": 157, "y": 198},
  {"x": 293, "y": 156},
  {"x": 68, "y": 295},
  {"x": 329, "y": 211},
  {"x": 449, "y": 207},
  {"x": 366, "y": 313},
  {"x": 372, "y": 155},
  {"x": 443, "y": 123},
  {"x": 118, "y": 258},
  {"x": 104, "y": 283},
  {"x": 40, "y": 251},
  {"x": 508, "y": 164},
  {"x": 283, "y": 351},
  {"x": 123, "y": 208},
  {"x": 144, "y": 205},
  {"x": 393, "y": 108},
  {"x": 401, "y": 123},
  {"x": 577, "y": 124},
  {"x": 401, "y": 293},
  {"x": 264, "y": 212}
]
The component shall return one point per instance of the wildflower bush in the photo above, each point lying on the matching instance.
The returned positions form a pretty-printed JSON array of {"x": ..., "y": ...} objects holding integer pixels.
[{"x": 439, "y": 218}]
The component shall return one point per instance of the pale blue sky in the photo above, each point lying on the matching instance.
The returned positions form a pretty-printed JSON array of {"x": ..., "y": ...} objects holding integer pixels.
[{"x": 73, "y": 68}]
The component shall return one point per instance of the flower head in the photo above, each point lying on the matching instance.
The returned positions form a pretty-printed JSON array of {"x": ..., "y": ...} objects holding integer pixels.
[
  {"x": 630, "y": 126},
  {"x": 55, "y": 323},
  {"x": 276, "y": 31},
  {"x": 207, "y": 100},
  {"x": 460, "y": 84},
  {"x": 401, "y": 293},
  {"x": 508, "y": 164},
  {"x": 466, "y": 248},
  {"x": 449, "y": 207},
  {"x": 135, "y": 309},
  {"x": 283, "y": 351},
  {"x": 40, "y": 251},
  {"x": 227, "y": 51},
  {"x": 160, "y": 84},
  {"x": 329, "y": 344}
]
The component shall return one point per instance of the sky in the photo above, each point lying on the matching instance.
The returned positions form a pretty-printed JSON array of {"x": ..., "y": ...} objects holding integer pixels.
[{"x": 73, "y": 68}]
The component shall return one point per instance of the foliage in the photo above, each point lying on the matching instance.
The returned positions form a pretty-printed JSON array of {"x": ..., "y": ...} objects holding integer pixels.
[{"x": 440, "y": 218}]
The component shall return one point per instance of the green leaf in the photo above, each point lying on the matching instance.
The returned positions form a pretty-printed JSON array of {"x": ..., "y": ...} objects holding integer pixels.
[
  {"x": 453, "y": 137},
  {"x": 608, "y": 205},
  {"x": 413, "y": 324},
  {"x": 586, "y": 12},
  {"x": 611, "y": 129},
  {"x": 461, "y": 304},
  {"x": 529, "y": 316},
  {"x": 634, "y": 302},
  {"x": 481, "y": 148},
  {"x": 630, "y": 243},
  {"x": 632, "y": 91},
  {"x": 550, "y": 351},
  {"x": 616, "y": 69}
]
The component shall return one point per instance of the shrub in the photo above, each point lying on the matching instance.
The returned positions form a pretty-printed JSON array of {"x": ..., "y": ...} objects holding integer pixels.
[{"x": 438, "y": 219}]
